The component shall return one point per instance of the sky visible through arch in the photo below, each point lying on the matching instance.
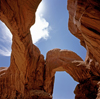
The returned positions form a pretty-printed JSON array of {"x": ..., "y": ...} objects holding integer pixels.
[{"x": 50, "y": 31}]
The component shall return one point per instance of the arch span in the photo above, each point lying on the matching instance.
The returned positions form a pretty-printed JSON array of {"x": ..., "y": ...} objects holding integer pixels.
[{"x": 65, "y": 60}]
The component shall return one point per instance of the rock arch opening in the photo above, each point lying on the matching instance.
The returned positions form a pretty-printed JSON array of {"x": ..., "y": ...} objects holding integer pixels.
[
  {"x": 5, "y": 45},
  {"x": 64, "y": 86}
]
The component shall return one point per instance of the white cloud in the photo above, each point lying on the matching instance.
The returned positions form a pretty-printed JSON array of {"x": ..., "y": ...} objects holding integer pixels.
[
  {"x": 5, "y": 40},
  {"x": 40, "y": 29},
  {"x": 5, "y": 51},
  {"x": 5, "y": 32}
]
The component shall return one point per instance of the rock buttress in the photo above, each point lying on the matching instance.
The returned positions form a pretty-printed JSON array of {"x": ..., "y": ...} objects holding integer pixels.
[{"x": 24, "y": 79}]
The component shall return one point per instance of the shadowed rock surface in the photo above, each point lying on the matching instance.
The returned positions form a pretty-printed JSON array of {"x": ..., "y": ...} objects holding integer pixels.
[
  {"x": 84, "y": 23},
  {"x": 29, "y": 75}
]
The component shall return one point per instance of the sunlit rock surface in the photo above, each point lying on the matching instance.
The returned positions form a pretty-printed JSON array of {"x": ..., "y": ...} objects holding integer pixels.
[{"x": 29, "y": 75}]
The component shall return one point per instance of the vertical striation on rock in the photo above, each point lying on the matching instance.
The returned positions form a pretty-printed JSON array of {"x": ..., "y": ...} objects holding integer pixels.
[
  {"x": 84, "y": 23},
  {"x": 24, "y": 79}
]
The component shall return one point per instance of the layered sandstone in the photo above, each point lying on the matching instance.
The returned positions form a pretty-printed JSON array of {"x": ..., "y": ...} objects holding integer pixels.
[
  {"x": 84, "y": 23},
  {"x": 29, "y": 75},
  {"x": 65, "y": 60},
  {"x": 24, "y": 79}
]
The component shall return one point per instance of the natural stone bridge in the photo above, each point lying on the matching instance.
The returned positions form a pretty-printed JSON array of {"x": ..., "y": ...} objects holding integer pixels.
[{"x": 29, "y": 75}]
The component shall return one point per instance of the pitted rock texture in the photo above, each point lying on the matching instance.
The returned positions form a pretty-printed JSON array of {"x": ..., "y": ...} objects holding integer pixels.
[
  {"x": 98, "y": 95},
  {"x": 86, "y": 90},
  {"x": 29, "y": 75}
]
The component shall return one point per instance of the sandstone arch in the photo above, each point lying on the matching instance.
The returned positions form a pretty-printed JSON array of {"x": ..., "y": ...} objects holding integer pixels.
[
  {"x": 65, "y": 60},
  {"x": 27, "y": 76}
]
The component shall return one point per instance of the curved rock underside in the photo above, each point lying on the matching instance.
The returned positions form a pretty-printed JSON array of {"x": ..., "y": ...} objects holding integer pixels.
[{"x": 29, "y": 75}]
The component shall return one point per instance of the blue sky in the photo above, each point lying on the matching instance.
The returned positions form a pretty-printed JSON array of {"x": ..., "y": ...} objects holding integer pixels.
[{"x": 50, "y": 31}]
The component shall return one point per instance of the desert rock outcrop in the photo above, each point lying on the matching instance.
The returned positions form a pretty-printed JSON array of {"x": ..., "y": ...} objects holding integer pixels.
[
  {"x": 84, "y": 23},
  {"x": 29, "y": 75},
  {"x": 24, "y": 79}
]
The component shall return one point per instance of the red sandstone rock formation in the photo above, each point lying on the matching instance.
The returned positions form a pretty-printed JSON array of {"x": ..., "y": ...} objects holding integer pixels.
[
  {"x": 24, "y": 79},
  {"x": 84, "y": 23},
  {"x": 64, "y": 60},
  {"x": 29, "y": 76}
]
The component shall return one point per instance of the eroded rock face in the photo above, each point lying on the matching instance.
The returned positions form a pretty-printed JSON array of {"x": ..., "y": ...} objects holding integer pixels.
[
  {"x": 26, "y": 72},
  {"x": 29, "y": 75},
  {"x": 84, "y": 23},
  {"x": 65, "y": 60}
]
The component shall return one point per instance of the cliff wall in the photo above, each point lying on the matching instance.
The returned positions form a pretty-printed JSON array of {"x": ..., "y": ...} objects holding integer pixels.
[{"x": 84, "y": 23}]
